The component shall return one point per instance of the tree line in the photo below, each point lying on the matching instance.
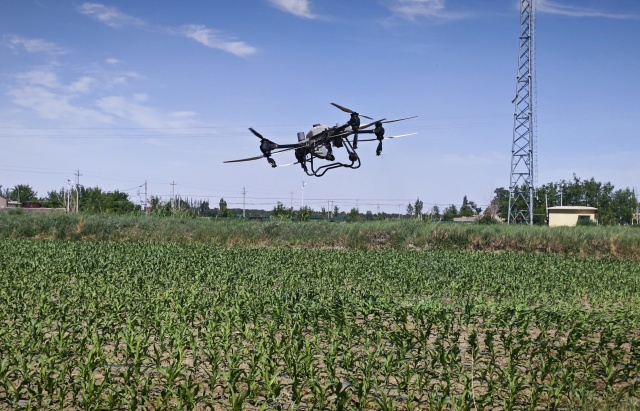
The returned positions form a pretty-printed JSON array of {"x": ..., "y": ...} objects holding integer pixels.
[{"x": 615, "y": 207}]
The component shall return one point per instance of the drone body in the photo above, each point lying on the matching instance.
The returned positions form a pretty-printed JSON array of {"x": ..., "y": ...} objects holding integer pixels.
[{"x": 318, "y": 144}]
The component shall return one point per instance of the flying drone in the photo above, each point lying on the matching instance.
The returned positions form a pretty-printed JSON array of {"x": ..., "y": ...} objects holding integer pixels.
[{"x": 319, "y": 142}]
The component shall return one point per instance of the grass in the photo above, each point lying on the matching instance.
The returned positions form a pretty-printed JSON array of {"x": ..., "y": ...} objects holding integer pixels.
[{"x": 618, "y": 242}]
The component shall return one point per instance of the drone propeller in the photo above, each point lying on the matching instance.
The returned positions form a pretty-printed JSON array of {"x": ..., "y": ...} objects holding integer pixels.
[
  {"x": 346, "y": 110},
  {"x": 258, "y": 157},
  {"x": 384, "y": 121},
  {"x": 244, "y": 159},
  {"x": 388, "y": 138},
  {"x": 287, "y": 165}
]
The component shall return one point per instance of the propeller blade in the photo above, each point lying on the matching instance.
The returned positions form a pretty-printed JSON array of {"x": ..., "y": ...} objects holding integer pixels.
[
  {"x": 372, "y": 123},
  {"x": 346, "y": 110},
  {"x": 399, "y": 119},
  {"x": 287, "y": 165},
  {"x": 385, "y": 121},
  {"x": 260, "y": 156},
  {"x": 387, "y": 138},
  {"x": 244, "y": 159},
  {"x": 257, "y": 134}
]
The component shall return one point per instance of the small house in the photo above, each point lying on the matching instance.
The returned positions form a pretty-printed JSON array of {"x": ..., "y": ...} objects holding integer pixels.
[{"x": 571, "y": 215}]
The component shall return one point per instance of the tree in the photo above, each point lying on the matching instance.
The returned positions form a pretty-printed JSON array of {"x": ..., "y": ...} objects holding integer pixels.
[
  {"x": 224, "y": 211},
  {"x": 54, "y": 199},
  {"x": 354, "y": 215},
  {"x": 203, "y": 209},
  {"x": 304, "y": 213},
  {"x": 469, "y": 208},
  {"x": 465, "y": 209},
  {"x": 22, "y": 193},
  {"x": 450, "y": 213},
  {"x": 410, "y": 209},
  {"x": 625, "y": 204},
  {"x": 435, "y": 213},
  {"x": 418, "y": 206},
  {"x": 279, "y": 211},
  {"x": 94, "y": 200}
]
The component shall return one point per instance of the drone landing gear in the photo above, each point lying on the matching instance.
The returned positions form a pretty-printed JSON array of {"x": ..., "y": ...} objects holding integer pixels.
[
  {"x": 272, "y": 162},
  {"x": 320, "y": 171}
]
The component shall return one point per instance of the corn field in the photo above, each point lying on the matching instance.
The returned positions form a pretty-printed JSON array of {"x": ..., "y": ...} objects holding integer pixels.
[{"x": 113, "y": 325}]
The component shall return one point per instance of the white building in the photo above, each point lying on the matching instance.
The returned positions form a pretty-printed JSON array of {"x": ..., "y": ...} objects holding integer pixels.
[{"x": 571, "y": 215}]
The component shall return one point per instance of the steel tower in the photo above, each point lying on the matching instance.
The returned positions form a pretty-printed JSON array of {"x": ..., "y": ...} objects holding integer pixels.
[{"x": 522, "y": 181}]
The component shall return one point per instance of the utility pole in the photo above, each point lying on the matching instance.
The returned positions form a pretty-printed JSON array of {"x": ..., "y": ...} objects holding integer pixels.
[
  {"x": 77, "y": 190},
  {"x": 244, "y": 192},
  {"x": 146, "y": 201},
  {"x": 303, "y": 184},
  {"x": 522, "y": 181},
  {"x": 67, "y": 197},
  {"x": 173, "y": 186}
]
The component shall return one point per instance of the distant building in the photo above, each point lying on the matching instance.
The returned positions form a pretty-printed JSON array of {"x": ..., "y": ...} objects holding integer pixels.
[
  {"x": 571, "y": 215},
  {"x": 471, "y": 219},
  {"x": 5, "y": 203}
]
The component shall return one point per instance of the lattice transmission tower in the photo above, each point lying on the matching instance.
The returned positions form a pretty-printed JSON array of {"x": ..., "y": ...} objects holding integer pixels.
[{"x": 523, "y": 168}]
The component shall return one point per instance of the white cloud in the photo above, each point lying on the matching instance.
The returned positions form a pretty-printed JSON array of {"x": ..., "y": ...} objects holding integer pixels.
[
  {"x": 551, "y": 7},
  {"x": 298, "y": 8},
  {"x": 109, "y": 15},
  {"x": 112, "y": 61},
  {"x": 411, "y": 9},
  {"x": 39, "y": 77},
  {"x": 33, "y": 45},
  {"x": 210, "y": 38},
  {"x": 82, "y": 85},
  {"x": 133, "y": 109},
  {"x": 53, "y": 105}
]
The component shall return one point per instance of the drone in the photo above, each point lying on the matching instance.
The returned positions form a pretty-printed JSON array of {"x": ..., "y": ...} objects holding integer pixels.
[{"x": 315, "y": 148}]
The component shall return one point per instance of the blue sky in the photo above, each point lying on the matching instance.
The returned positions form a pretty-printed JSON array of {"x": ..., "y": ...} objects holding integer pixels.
[{"x": 164, "y": 91}]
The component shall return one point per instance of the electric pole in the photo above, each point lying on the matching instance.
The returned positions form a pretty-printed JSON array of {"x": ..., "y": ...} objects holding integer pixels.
[
  {"x": 146, "y": 201},
  {"x": 77, "y": 174},
  {"x": 173, "y": 186},
  {"x": 303, "y": 184},
  {"x": 244, "y": 192}
]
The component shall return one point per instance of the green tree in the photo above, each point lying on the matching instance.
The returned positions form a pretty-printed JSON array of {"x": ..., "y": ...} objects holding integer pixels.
[
  {"x": 465, "y": 208},
  {"x": 410, "y": 210},
  {"x": 435, "y": 213},
  {"x": 418, "y": 207},
  {"x": 354, "y": 215},
  {"x": 304, "y": 213},
  {"x": 279, "y": 211},
  {"x": 450, "y": 213},
  {"x": 22, "y": 193},
  {"x": 224, "y": 211},
  {"x": 94, "y": 200},
  {"x": 54, "y": 199}
]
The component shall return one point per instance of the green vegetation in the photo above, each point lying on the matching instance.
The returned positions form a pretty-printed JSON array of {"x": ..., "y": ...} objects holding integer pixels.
[
  {"x": 618, "y": 242},
  {"x": 114, "y": 325}
]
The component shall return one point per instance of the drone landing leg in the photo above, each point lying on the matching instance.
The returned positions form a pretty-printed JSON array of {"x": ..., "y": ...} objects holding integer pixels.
[{"x": 379, "y": 149}]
